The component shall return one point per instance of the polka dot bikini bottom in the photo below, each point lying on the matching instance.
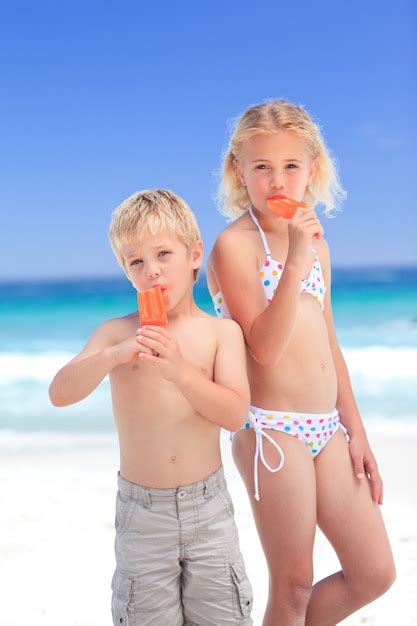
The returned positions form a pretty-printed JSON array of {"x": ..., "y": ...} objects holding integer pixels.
[{"x": 314, "y": 429}]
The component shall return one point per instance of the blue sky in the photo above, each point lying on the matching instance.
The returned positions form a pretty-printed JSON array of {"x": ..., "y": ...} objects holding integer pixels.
[{"x": 99, "y": 100}]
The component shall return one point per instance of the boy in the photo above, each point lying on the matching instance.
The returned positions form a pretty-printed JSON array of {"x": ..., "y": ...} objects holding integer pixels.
[{"x": 177, "y": 553}]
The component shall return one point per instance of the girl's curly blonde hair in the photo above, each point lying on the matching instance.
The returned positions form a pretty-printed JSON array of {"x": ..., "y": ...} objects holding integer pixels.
[{"x": 267, "y": 118}]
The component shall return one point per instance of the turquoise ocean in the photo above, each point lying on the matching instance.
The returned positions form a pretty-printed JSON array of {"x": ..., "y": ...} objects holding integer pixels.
[{"x": 45, "y": 323}]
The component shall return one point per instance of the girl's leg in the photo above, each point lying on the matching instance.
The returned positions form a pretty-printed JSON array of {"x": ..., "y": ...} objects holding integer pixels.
[
  {"x": 353, "y": 524},
  {"x": 285, "y": 518}
]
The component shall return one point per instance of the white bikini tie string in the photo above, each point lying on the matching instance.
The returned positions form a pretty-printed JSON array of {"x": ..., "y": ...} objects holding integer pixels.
[{"x": 259, "y": 451}]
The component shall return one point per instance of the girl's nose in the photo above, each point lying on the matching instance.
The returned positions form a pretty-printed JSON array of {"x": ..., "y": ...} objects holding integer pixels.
[{"x": 277, "y": 181}]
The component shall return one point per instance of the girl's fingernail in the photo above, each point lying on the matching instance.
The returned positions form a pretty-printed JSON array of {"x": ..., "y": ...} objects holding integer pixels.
[{"x": 360, "y": 475}]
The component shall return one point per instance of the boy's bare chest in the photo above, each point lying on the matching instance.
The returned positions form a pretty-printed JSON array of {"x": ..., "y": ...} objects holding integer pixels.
[{"x": 195, "y": 344}]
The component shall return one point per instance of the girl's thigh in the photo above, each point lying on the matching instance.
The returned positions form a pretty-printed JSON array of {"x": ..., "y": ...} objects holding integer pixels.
[
  {"x": 285, "y": 516},
  {"x": 346, "y": 513}
]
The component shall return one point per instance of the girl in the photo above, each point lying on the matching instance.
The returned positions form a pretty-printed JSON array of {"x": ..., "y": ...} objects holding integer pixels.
[{"x": 272, "y": 275}]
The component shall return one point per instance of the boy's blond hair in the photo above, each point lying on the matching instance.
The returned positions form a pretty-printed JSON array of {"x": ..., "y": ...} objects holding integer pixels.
[
  {"x": 147, "y": 212},
  {"x": 271, "y": 117}
]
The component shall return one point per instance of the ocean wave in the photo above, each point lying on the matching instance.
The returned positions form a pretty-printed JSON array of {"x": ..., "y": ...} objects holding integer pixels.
[
  {"x": 371, "y": 363},
  {"x": 40, "y": 367},
  {"x": 382, "y": 363}
]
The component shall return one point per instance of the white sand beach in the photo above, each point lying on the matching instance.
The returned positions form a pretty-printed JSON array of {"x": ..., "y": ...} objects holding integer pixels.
[{"x": 56, "y": 531}]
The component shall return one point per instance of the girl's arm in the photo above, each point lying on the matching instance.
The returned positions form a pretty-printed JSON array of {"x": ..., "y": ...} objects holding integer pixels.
[
  {"x": 235, "y": 264},
  {"x": 364, "y": 462}
]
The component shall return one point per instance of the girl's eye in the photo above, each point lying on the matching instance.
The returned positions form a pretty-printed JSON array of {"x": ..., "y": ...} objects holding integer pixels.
[
  {"x": 135, "y": 262},
  {"x": 292, "y": 166},
  {"x": 261, "y": 166},
  {"x": 164, "y": 252}
]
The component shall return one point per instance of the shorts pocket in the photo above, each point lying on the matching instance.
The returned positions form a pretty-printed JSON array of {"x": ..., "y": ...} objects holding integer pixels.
[
  {"x": 122, "y": 586},
  {"x": 243, "y": 588},
  {"x": 124, "y": 511},
  {"x": 225, "y": 497}
]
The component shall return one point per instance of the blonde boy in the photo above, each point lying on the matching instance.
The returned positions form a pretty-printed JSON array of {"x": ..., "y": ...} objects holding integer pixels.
[{"x": 177, "y": 553}]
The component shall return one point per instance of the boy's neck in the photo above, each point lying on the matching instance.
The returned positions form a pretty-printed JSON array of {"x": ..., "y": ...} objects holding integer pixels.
[{"x": 186, "y": 307}]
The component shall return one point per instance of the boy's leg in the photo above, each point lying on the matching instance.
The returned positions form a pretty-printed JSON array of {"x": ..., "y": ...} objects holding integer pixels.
[
  {"x": 353, "y": 524},
  {"x": 146, "y": 584},
  {"x": 215, "y": 587}
]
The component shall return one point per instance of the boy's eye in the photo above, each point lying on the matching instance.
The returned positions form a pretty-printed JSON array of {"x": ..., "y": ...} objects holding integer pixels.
[
  {"x": 135, "y": 262},
  {"x": 291, "y": 166},
  {"x": 261, "y": 166},
  {"x": 164, "y": 252}
]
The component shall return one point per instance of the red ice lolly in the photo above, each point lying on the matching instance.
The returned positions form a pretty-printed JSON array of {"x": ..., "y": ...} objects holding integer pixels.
[
  {"x": 281, "y": 206},
  {"x": 152, "y": 309}
]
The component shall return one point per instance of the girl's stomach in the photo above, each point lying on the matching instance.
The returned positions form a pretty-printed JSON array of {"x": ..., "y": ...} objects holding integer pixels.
[{"x": 304, "y": 379}]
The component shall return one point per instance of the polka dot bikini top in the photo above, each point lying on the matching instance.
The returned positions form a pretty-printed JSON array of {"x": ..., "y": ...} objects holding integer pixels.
[{"x": 270, "y": 274}]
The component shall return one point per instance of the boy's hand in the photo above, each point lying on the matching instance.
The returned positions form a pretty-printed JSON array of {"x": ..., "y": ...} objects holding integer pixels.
[
  {"x": 128, "y": 350},
  {"x": 165, "y": 353}
]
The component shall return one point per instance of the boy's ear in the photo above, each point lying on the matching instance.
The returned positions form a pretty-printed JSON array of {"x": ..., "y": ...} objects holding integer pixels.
[{"x": 197, "y": 254}]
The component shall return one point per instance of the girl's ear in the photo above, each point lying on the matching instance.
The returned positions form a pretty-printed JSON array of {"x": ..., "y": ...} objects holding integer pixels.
[
  {"x": 313, "y": 170},
  {"x": 197, "y": 254},
  {"x": 238, "y": 172}
]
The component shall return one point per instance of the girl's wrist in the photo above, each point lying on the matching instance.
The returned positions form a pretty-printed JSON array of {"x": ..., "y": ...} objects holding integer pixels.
[{"x": 294, "y": 268}]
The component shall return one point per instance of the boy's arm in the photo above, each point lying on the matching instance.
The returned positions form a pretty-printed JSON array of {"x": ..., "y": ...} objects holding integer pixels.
[
  {"x": 84, "y": 373},
  {"x": 223, "y": 400}
]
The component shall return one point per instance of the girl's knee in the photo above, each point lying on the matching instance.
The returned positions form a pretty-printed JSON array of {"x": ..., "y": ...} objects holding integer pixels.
[
  {"x": 296, "y": 588},
  {"x": 383, "y": 579},
  {"x": 376, "y": 581}
]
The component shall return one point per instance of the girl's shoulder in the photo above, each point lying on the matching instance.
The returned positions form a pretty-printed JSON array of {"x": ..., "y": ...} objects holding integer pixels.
[{"x": 239, "y": 234}]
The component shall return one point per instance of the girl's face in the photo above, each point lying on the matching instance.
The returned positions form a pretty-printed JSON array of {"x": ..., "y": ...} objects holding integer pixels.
[{"x": 277, "y": 163}]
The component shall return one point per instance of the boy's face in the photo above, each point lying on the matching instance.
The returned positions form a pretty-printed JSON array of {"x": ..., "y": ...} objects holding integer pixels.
[{"x": 162, "y": 259}]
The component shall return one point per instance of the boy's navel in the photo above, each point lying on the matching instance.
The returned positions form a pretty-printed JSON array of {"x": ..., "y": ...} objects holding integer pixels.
[
  {"x": 135, "y": 368},
  {"x": 172, "y": 459}
]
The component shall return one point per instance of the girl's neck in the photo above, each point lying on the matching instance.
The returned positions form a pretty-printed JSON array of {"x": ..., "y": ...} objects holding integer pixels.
[{"x": 270, "y": 223}]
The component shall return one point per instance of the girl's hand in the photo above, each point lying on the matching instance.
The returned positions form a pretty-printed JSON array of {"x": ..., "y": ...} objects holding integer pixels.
[
  {"x": 302, "y": 227},
  {"x": 364, "y": 464},
  {"x": 165, "y": 353}
]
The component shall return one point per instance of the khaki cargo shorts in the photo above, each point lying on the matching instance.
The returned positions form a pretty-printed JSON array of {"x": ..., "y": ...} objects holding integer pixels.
[{"x": 178, "y": 559}]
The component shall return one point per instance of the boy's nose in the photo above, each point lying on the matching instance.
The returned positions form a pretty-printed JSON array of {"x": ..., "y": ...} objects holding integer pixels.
[{"x": 153, "y": 272}]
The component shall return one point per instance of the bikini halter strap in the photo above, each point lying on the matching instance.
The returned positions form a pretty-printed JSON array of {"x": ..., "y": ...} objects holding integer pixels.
[{"x": 261, "y": 232}]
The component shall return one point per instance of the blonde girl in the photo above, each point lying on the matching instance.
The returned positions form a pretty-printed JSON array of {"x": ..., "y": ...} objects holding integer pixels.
[{"x": 303, "y": 453}]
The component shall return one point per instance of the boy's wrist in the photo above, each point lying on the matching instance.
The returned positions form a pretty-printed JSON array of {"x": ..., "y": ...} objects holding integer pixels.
[
  {"x": 110, "y": 357},
  {"x": 184, "y": 376}
]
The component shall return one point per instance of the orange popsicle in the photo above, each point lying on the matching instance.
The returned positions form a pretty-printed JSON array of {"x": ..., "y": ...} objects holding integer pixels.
[
  {"x": 152, "y": 307},
  {"x": 281, "y": 206}
]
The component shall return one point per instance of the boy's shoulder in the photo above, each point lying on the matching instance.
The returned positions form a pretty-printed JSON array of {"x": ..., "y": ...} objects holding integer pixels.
[
  {"x": 118, "y": 328},
  {"x": 219, "y": 325},
  {"x": 223, "y": 327}
]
